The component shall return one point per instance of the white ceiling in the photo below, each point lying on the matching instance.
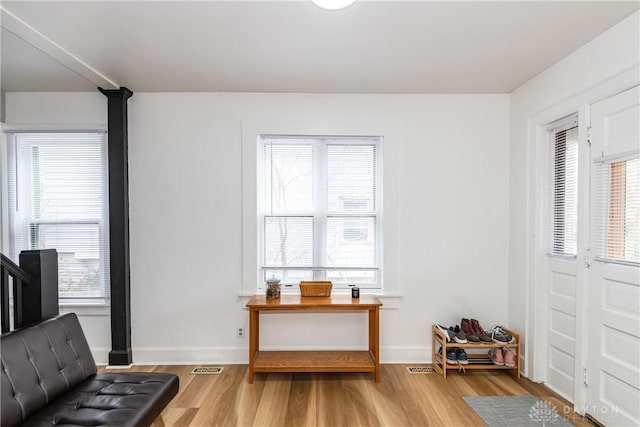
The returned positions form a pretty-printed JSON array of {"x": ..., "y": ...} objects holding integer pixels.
[{"x": 293, "y": 46}]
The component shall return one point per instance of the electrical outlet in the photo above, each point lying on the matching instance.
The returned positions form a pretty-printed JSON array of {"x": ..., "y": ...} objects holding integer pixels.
[{"x": 240, "y": 332}]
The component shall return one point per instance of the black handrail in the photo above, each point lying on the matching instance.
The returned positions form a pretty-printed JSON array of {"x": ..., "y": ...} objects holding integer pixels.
[
  {"x": 20, "y": 278},
  {"x": 14, "y": 269}
]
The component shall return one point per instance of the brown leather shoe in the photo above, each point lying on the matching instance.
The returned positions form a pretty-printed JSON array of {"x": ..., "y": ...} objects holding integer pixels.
[
  {"x": 465, "y": 325},
  {"x": 472, "y": 337},
  {"x": 475, "y": 326},
  {"x": 482, "y": 336}
]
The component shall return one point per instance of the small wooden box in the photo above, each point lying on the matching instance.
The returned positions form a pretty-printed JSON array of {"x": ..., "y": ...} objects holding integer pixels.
[{"x": 317, "y": 288}]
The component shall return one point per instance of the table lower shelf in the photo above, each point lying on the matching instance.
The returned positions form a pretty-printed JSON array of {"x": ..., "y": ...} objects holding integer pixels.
[{"x": 314, "y": 361}]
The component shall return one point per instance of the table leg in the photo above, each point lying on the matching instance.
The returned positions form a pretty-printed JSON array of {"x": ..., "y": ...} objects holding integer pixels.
[
  {"x": 374, "y": 339},
  {"x": 254, "y": 339}
]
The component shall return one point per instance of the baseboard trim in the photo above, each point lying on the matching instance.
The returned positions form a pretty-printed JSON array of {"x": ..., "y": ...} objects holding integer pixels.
[
  {"x": 101, "y": 355},
  {"x": 239, "y": 356},
  {"x": 190, "y": 356}
]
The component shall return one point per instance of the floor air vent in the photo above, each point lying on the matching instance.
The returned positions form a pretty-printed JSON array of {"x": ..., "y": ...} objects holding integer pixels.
[
  {"x": 421, "y": 370},
  {"x": 206, "y": 370}
]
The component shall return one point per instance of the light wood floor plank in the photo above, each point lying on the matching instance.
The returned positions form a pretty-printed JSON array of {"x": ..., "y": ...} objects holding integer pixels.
[
  {"x": 178, "y": 417},
  {"x": 221, "y": 395},
  {"x": 442, "y": 406},
  {"x": 195, "y": 393},
  {"x": 331, "y": 411},
  {"x": 458, "y": 385},
  {"x": 411, "y": 395},
  {"x": 248, "y": 398},
  {"x": 302, "y": 406},
  {"x": 358, "y": 404},
  {"x": 272, "y": 408},
  {"x": 384, "y": 396}
]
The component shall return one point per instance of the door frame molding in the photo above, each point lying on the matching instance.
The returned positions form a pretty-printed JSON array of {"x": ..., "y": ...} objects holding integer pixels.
[{"x": 536, "y": 267}]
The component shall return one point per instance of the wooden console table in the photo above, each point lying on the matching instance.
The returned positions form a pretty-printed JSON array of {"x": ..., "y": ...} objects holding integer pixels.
[{"x": 314, "y": 361}]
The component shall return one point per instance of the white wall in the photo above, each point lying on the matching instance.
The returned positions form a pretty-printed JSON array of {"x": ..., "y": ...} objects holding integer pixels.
[
  {"x": 602, "y": 67},
  {"x": 186, "y": 218}
]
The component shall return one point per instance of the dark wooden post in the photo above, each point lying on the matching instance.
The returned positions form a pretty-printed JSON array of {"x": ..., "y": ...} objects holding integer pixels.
[
  {"x": 40, "y": 296},
  {"x": 117, "y": 142}
]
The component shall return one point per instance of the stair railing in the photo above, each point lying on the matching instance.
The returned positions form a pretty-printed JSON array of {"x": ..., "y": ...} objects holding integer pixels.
[{"x": 10, "y": 273}]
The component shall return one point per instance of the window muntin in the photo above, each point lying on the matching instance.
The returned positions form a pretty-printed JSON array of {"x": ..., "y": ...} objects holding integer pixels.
[
  {"x": 319, "y": 210},
  {"x": 58, "y": 199},
  {"x": 564, "y": 191}
]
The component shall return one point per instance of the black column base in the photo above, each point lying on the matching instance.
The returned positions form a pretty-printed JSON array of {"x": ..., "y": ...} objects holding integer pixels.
[{"x": 120, "y": 357}]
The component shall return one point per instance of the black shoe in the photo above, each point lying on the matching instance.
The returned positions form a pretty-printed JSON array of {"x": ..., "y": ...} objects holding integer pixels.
[{"x": 459, "y": 336}]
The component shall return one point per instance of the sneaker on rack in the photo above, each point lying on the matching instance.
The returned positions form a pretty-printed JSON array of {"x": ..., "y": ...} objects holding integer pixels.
[
  {"x": 461, "y": 355},
  {"x": 452, "y": 358},
  {"x": 495, "y": 354},
  {"x": 482, "y": 335},
  {"x": 447, "y": 333},
  {"x": 509, "y": 357},
  {"x": 500, "y": 336},
  {"x": 459, "y": 336}
]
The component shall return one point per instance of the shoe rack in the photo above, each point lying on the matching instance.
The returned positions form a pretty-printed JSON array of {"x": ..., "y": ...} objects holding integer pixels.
[{"x": 440, "y": 361}]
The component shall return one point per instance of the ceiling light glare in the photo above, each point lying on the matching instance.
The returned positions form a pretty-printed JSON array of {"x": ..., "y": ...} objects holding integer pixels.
[{"x": 333, "y": 4}]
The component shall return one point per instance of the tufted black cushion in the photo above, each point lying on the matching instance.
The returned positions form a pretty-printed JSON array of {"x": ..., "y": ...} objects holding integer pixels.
[
  {"x": 122, "y": 399},
  {"x": 49, "y": 378}
]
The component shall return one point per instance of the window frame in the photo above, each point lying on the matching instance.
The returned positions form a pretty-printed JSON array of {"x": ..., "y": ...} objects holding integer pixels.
[
  {"x": 320, "y": 214},
  {"x": 26, "y": 220}
]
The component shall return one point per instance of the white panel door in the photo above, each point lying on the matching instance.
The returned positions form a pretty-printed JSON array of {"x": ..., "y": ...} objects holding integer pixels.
[
  {"x": 613, "y": 360},
  {"x": 564, "y": 199}
]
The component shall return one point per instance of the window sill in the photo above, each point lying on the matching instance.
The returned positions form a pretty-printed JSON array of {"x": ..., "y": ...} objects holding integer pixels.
[{"x": 85, "y": 308}]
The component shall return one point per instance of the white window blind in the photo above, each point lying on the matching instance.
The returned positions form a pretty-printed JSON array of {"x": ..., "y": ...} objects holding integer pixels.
[
  {"x": 58, "y": 199},
  {"x": 563, "y": 197},
  {"x": 319, "y": 210},
  {"x": 618, "y": 209}
]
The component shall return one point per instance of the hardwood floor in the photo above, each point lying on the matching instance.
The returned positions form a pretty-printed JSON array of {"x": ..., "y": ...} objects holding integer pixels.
[{"x": 333, "y": 400}]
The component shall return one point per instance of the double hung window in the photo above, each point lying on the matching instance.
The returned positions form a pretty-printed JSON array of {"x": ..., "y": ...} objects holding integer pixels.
[
  {"x": 318, "y": 204},
  {"x": 58, "y": 199}
]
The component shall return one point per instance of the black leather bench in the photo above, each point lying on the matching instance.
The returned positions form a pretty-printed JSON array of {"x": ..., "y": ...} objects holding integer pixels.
[{"x": 49, "y": 378}]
